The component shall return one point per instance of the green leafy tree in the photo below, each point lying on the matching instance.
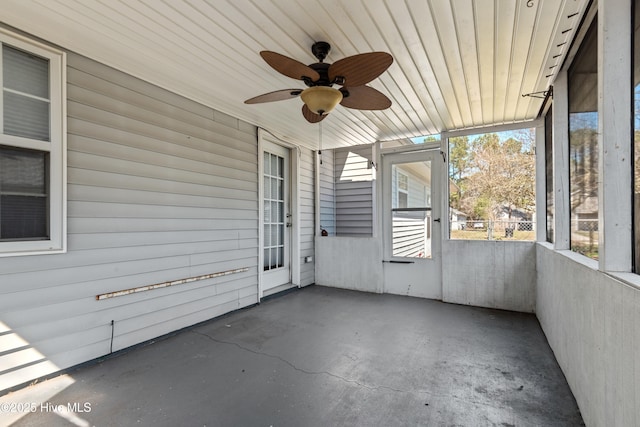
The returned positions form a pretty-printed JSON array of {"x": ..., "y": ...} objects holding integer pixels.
[
  {"x": 430, "y": 138},
  {"x": 501, "y": 174},
  {"x": 459, "y": 163}
]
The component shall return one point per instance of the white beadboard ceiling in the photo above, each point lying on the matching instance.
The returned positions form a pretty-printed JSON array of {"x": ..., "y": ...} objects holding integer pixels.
[{"x": 457, "y": 63}]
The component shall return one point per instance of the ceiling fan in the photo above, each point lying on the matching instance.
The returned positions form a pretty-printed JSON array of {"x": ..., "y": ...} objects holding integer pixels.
[{"x": 352, "y": 73}]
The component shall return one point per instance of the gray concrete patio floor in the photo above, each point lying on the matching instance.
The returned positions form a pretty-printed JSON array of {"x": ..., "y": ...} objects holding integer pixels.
[{"x": 325, "y": 357}]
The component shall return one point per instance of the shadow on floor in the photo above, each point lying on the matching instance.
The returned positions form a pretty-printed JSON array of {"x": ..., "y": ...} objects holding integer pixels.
[{"x": 321, "y": 357}]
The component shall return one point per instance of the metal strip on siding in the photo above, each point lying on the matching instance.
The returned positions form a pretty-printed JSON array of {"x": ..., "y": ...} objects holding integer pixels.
[{"x": 167, "y": 284}]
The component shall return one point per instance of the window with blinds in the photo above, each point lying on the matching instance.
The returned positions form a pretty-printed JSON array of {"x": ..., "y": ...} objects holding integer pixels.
[
  {"x": 32, "y": 187},
  {"x": 25, "y": 85},
  {"x": 23, "y": 173}
]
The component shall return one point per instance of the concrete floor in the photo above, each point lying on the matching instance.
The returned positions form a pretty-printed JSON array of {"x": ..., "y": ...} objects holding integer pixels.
[{"x": 326, "y": 357}]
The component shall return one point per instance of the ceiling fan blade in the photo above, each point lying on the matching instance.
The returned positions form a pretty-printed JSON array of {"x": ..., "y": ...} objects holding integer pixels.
[
  {"x": 278, "y": 95},
  {"x": 364, "y": 98},
  {"x": 358, "y": 70},
  {"x": 289, "y": 67},
  {"x": 311, "y": 116}
]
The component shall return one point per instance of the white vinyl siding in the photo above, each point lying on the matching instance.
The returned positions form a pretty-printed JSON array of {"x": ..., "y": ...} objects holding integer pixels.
[
  {"x": 307, "y": 217},
  {"x": 354, "y": 191},
  {"x": 417, "y": 194},
  {"x": 402, "y": 190},
  {"x": 160, "y": 188}
]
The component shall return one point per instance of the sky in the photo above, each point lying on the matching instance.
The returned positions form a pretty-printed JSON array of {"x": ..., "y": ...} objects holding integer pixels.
[{"x": 503, "y": 136}]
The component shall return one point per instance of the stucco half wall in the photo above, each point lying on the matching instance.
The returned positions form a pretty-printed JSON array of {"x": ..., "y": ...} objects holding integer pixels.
[
  {"x": 349, "y": 263},
  {"x": 491, "y": 274},
  {"x": 592, "y": 323},
  {"x": 494, "y": 274}
]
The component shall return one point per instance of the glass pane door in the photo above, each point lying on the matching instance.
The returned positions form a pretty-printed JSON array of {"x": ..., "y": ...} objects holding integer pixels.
[
  {"x": 411, "y": 223},
  {"x": 274, "y": 211},
  {"x": 276, "y": 218}
]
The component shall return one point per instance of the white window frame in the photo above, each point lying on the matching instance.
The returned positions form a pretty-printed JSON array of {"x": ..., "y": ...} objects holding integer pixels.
[
  {"x": 536, "y": 124},
  {"x": 56, "y": 147}
]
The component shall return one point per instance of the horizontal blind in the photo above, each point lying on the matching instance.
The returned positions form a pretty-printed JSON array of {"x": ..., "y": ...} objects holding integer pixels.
[{"x": 26, "y": 99}]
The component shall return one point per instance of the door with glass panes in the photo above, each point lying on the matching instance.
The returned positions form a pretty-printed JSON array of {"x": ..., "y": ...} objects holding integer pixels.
[
  {"x": 276, "y": 210},
  {"x": 411, "y": 224}
]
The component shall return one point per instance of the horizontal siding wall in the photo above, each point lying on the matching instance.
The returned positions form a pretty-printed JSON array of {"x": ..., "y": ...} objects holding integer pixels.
[
  {"x": 159, "y": 189},
  {"x": 354, "y": 191},
  {"x": 307, "y": 217}
]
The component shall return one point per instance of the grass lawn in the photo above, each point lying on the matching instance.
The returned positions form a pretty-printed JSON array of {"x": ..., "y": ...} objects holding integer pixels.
[{"x": 497, "y": 235}]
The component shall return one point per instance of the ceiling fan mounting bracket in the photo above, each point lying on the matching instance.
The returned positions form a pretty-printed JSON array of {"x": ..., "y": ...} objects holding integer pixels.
[{"x": 320, "y": 50}]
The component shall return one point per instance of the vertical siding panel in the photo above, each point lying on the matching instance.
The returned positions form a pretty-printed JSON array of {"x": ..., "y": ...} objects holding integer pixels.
[
  {"x": 307, "y": 216},
  {"x": 160, "y": 188},
  {"x": 327, "y": 193}
]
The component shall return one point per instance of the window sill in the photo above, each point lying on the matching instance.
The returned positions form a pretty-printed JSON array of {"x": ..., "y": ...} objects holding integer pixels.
[
  {"x": 629, "y": 279},
  {"x": 491, "y": 241},
  {"x": 579, "y": 259},
  {"x": 349, "y": 236},
  {"x": 45, "y": 247},
  {"x": 546, "y": 244}
]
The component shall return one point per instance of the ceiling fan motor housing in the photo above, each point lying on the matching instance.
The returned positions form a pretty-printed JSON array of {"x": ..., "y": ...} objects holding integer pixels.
[
  {"x": 321, "y": 68},
  {"x": 320, "y": 50}
]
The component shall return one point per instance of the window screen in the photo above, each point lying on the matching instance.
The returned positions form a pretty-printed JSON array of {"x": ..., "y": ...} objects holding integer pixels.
[
  {"x": 583, "y": 146},
  {"x": 548, "y": 171},
  {"x": 23, "y": 194},
  {"x": 636, "y": 138}
]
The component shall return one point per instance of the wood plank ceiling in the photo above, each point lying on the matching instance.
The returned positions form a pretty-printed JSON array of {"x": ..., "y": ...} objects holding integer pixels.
[{"x": 458, "y": 64}]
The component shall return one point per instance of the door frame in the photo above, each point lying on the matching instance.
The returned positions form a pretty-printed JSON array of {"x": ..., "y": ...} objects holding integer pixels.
[
  {"x": 386, "y": 159},
  {"x": 294, "y": 200}
]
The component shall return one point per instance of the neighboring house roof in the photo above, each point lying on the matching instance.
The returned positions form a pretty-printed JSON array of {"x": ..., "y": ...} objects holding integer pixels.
[
  {"x": 458, "y": 213},
  {"x": 588, "y": 206},
  {"x": 515, "y": 213}
]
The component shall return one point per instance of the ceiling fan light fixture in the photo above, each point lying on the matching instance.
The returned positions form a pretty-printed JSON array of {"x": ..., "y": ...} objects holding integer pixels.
[{"x": 321, "y": 99}]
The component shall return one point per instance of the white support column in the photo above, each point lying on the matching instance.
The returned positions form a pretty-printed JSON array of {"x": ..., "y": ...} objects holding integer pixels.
[
  {"x": 614, "y": 135},
  {"x": 316, "y": 191},
  {"x": 376, "y": 159},
  {"x": 295, "y": 211},
  {"x": 562, "y": 213},
  {"x": 445, "y": 224},
  {"x": 541, "y": 195}
]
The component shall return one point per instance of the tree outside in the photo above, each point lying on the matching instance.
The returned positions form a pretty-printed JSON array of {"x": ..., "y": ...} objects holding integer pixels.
[{"x": 494, "y": 177}]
